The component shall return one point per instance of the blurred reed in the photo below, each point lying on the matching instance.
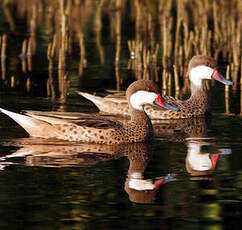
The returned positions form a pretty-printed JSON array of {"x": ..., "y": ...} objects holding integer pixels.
[
  {"x": 50, "y": 56},
  {"x": 227, "y": 111},
  {"x": 3, "y": 45},
  {"x": 166, "y": 35}
]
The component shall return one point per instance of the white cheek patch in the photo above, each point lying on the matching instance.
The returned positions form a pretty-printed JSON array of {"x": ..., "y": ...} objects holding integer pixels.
[
  {"x": 199, "y": 73},
  {"x": 139, "y": 98}
]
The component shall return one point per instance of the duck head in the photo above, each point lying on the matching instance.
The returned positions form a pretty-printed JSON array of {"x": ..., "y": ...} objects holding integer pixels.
[
  {"x": 143, "y": 92},
  {"x": 204, "y": 67}
]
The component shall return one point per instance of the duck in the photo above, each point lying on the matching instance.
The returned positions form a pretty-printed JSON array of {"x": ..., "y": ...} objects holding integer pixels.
[
  {"x": 200, "y": 67},
  {"x": 96, "y": 129}
]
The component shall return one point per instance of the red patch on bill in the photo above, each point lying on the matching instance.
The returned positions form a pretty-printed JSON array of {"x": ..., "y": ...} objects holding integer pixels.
[
  {"x": 160, "y": 101},
  {"x": 216, "y": 75}
]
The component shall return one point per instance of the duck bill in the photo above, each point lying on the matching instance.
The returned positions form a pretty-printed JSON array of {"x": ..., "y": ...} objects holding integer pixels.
[
  {"x": 170, "y": 107},
  {"x": 161, "y": 103},
  {"x": 218, "y": 77}
]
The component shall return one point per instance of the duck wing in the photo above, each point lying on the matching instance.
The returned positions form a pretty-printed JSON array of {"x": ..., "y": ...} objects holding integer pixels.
[
  {"x": 173, "y": 101},
  {"x": 57, "y": 114},
  {"x": 77, "y": 118},
  {"x": 98, "y": 122},
  {"x": 119, "y": 97}
]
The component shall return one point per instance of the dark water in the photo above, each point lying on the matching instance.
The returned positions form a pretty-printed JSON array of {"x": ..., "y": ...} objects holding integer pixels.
[
  {"x": 67, "y": 187},
  {"x": 196, "y": 169}
]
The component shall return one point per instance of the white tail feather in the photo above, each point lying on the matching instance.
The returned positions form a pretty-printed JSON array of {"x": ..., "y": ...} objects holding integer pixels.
[
  {"x": 33, "y": 126},
  {"x": 95, "y": 99},
  {"x": 20, "y": 119}
]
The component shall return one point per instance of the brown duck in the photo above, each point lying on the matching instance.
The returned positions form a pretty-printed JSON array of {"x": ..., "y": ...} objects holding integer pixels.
[
  {"x": 199, "y": 68},
  {"x": 98, "y": 129}
]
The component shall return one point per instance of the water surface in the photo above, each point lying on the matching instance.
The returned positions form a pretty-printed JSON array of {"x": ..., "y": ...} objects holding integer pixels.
[{"x": 187, "y": 178}]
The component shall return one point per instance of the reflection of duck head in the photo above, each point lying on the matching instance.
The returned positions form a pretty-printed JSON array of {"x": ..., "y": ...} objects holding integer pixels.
[
  {"x": 202, "y": 164},
  {"x": 142, "y": 190}
]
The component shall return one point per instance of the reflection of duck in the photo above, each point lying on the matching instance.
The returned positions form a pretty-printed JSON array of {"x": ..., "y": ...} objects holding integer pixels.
[
  {"x": 142, "y": 190},
  {"x": 52, "y": 153},
  {"x": 181, "y": 129},
  {"x": 97, "y": 129},
  {"x": 200, "y": 67},
  {"x": 57, "y": 153},
  {"x": 202, "y": 164}
]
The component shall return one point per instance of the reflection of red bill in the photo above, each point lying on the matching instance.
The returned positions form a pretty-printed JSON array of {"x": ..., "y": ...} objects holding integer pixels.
[
  {"x": 215, "y": 159},
  {"x": 159, "y": 182}
]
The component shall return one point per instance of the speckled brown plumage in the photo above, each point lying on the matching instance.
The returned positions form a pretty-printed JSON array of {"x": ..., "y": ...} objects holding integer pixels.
[
  {"x": 196, "y": 106},
  {"x": 93, "y": 129}
]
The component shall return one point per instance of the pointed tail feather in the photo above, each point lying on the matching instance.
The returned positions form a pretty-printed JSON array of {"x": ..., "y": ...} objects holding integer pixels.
[
  {"x": 98, "y": 101},
  {"x": 33, "y": 126}
]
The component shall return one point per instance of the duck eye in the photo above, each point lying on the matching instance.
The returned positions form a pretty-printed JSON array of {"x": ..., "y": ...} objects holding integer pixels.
[
  {"x": 149, "y": 89},
  {"x": 208, "y": 64}
]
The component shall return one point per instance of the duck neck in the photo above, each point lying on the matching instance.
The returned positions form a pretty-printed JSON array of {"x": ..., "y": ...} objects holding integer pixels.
[
  {"x": 139, "y": 116},
  {"x": 140, "y": 120},
  {"x": 199, "y": 98},
  {"x": 196, "y": 88},
  {"x": 196, "y": 82}
]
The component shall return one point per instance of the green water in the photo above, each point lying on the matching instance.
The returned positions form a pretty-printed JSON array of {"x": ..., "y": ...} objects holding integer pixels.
[{"x": 61, "y": 186}]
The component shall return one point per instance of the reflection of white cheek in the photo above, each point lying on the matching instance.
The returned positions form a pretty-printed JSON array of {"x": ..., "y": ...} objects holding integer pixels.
[
  {"x": 136, "y": 175},
  {"x": 205, "y": 166},
  {"x": 141, "y": 185},
  {"x": 200, "y": 162}
]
